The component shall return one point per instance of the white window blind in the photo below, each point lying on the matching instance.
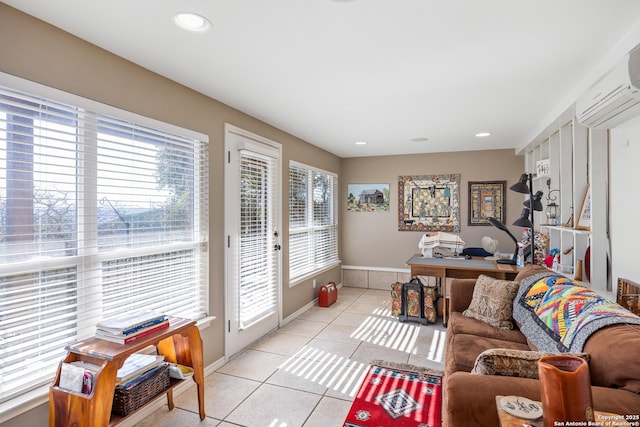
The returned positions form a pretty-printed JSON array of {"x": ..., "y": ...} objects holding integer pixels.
[
  {"x": 99, "y": 216},
  {"x": 258, "y": 259},
  {"x": 313, "y": 220}
]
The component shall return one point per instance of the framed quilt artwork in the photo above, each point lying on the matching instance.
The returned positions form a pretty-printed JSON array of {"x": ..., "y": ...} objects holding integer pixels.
[
  {"x": 429, "y": 203},
  {"x": 486, "y": 199}
]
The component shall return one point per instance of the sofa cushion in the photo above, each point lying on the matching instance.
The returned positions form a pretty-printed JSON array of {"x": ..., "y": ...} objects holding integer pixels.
[
  {"x": 460, "y": 294},
  {"x": 530, "y": 270},
  {"x": 470, "y": 400},
  {"x": 463, "y": 349},
  {"x": 492, "y": 302},
  {"x": 460, "y": 324},
  {"x": 614, "y": 354},
  {"x": 512, "y": 363}
]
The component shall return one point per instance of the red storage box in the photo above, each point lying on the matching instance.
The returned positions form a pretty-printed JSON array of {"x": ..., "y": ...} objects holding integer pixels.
[{"x": 328, "y": 294}]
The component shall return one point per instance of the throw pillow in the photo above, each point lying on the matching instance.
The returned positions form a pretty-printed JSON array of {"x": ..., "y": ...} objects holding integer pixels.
[
  {"x": 492, "y": 302},
  {"x": 513, "y": 363}
]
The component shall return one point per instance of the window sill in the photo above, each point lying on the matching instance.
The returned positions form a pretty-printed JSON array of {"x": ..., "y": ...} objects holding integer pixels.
[
  {"x": 314, "y": 273},
  {"x": 205, "y": 322}
]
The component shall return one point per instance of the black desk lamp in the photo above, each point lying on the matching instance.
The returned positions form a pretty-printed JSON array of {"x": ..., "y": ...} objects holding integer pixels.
[
  {"x": 537, "y": 201},
  {"x": 533, "y": 204},
  {"x": 502, "y": 227}
]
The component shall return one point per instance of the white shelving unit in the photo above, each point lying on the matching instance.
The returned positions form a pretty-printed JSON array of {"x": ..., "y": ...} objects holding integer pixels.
[{"x": 577, "y": 161}]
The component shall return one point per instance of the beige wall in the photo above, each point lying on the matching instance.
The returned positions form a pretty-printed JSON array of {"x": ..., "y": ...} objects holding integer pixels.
[
  {"x": 373, "y": 240},
  {"x": 39, "y": 52}
]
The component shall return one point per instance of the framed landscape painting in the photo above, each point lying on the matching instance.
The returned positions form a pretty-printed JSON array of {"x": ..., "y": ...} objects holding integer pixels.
[{"x": 368, "y": 197}]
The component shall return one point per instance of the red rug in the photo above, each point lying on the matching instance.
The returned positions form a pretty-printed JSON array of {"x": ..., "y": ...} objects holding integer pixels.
[{"x": 397, "y": 395}]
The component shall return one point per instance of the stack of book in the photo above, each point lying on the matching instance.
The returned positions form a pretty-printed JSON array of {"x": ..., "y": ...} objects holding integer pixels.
[
  {"x": 127, "y": 329},
  {"x": 141, "y": 378},
  {"x": 137, "y": 368}
]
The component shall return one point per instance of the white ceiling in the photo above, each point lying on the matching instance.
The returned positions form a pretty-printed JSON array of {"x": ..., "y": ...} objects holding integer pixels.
[{"x": 333, "y": 72}]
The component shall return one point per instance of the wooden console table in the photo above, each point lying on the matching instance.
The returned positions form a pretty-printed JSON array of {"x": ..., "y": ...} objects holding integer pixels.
[
  {"x": 460, "y": 268},
  {"x": 179, "y": 343}
]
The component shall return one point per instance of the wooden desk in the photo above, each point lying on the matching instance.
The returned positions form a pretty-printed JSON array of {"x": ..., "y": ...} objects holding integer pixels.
[
  {"x": 179, "y": 343},
  {"x": 605, "y": 419},
  {"x": 458, "y": 268}
]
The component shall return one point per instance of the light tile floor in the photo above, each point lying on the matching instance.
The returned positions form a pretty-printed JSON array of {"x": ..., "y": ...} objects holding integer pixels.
[{"x": 308, "y": 372}]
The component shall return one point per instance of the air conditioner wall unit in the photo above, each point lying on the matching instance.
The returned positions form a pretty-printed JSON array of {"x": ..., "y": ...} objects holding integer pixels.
[{"x": 615, "y": 98}]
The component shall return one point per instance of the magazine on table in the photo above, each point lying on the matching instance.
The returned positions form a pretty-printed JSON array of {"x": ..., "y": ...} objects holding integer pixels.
[
  {"x": 137, "y": 364},
  {"x": 130, "y": 322},
  {"x": 139, "y": 379},
  {"x": 129, "y": 338}
]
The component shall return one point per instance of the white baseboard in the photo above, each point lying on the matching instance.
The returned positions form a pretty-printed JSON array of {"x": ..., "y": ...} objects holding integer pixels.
[
  {"x": 302, "y": 309},
  {"x": 387, "y": 269}
]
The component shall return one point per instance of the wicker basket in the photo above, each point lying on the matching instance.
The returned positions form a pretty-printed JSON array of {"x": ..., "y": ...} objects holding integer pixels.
[{"x": 127, "y": 401}]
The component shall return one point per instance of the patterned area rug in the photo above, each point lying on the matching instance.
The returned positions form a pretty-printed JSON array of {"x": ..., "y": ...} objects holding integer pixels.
[{"x": 399, "y": 395}]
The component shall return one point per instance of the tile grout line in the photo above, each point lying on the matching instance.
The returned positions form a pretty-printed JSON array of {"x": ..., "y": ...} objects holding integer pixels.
[{"x": 357, "y": 345}]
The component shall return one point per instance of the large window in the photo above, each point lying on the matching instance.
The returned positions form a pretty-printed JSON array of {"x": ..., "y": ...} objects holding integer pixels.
[
  {"x": 99, "y": 215},
  {"x": 313, "y": 221}
]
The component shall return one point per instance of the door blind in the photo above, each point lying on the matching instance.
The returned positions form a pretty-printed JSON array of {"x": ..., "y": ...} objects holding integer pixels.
[{"x": 258, "y": 259}]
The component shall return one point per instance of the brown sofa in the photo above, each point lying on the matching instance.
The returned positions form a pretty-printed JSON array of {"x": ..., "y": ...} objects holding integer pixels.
[{"x": 469, "y": 398}]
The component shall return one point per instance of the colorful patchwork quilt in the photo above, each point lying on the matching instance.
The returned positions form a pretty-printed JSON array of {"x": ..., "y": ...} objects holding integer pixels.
[{"x": 558, "y": 314}]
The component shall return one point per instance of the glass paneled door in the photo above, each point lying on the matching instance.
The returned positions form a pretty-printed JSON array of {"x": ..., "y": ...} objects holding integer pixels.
[{"x": 252, "y": 224}]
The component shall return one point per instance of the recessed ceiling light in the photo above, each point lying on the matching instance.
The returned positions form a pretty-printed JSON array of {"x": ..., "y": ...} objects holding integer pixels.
[
  {"x": 361, "y": 142},
  {"x": 419, "y": 139},
  {"x": 483, "y": 134},
  {"x": 192, "y": 22}
]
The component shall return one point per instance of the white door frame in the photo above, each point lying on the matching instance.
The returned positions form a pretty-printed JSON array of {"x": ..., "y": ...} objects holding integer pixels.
[{"x": 230, "y": 201}]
